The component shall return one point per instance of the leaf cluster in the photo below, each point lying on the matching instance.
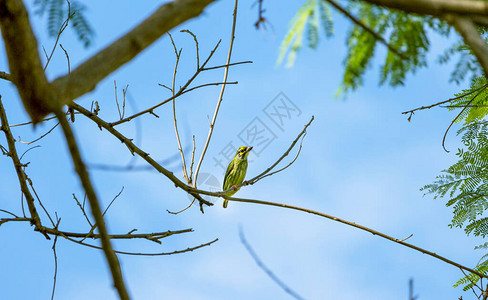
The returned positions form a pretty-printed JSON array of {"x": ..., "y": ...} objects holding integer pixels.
[
  {"x": 57, "y": 13},
  {"x": 466, "y": 184},
  {"x": 312, "y": 18},
  {"x": 403, "y": 32},
  {"x": 473, "y": 101}
]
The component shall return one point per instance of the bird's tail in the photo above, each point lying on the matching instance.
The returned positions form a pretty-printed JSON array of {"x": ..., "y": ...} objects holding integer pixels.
[{"x": 225, "y": 203}]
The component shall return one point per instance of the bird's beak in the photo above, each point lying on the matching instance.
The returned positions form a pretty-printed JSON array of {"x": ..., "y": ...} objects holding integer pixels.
[{"x": 248, "y": 149}]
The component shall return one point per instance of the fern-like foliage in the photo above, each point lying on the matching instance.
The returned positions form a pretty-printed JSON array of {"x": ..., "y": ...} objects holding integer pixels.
[
  {"x": 465, "y": 184},
  {"x": 404, "y": 33},
  {"x": 467, "y": 63},
  {"x": 57, "y": 13},
  {"x": 314, "y": 16},
  {"x": 471, "y": 279},
  {"x": 473, "y": 101}
]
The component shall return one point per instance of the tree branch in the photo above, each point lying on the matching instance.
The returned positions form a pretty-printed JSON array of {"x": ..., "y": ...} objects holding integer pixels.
[
  {"x": 85, "y": 77},
  {"x": 436, "y": 7},
  {"x": 96, "y": 211},
  {"x": 25, "y": 64},
  {"x": 367, "y": 29},
  {"x": 12, "y": 152},
  {"x": 472, "y": 37},
  {"x": 134, "y": 149},
  {"x": 372, "y": 231},
  {"x": 221, "y": 95}
]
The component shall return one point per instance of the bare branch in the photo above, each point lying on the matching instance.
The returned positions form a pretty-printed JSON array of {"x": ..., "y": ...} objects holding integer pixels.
[
  {"x": 436, "y": 7},
  {"x": 263, "y": 267},
  {"x": 228, "y": 65},
  {"x": 55, "y": 260},
  {"x": 7, "y": 212},
  {"x": 361, "y": 227},
  {"x": 39, "y": 138},
  {"x": 221, "y": 95},
  {"x": 179, "y": 93},
  {"x": 134, "y": 149},
  {"x": 67, "y": 58},
  {"x": 85, "y": 77},
  {"x": 175, "y": 123},
  {"x": 445, "y": 101},
  {"x": 196, "y": 45},
  {"x": 454, "y": 120},
  {"x": 5, "y": 76},
  {"x": 26, "y": 70},
  {"x": 16, "y": 219},
  {"x": 263, "y": 174},
  {"x": 80, "y": 168},
  {"x": 472, "y": 37},
  {"x": 82, "y": 210},
  {"x": 18, "y": 168},
  {"x": 146, "y": 254},
  {"x": 61, "y": 29}
]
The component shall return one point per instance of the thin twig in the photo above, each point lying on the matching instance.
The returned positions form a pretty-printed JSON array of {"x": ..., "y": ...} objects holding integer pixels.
[
  {"x": 61, "y": 29},
  {"x": 266, "y": 173},
  {"x": 454, "y": 120},
  {"x": 221, "y": 95},
  {"x": 136, "y": 150},
  {"x": 228, "y": 65},
  {"x": 26, "y": 151},
  {"x": 472, "y": 284},
  {"x": 55, "y": 260},
  {"x": 196, "y": 45},
  {"x": 209, "y": 84},
  {"x": 407, "y": 238},
  {"x": 28, "y": 123},
  {"x": 116, "y": 196},
  {"x": 67, "y": 57},
  {"x": 367, "y": 29},
  {"x": 39, "y": 138},
  {"x": 289, "y": 164},
  {"x": 146, "y": 254},
  {"x": 7, "y": 212},
  {"x": 292, "y": 145},
  {"x": 175, "y": 123},
  {"x": 82, "y": 210},
  {"x": 179, "y": 93},
  {"x": 124, "y": 91},
  {"x": 182, "y": 210},
  {"x": 117, "y": 101},
  {"x": 35, "y": 219},
  {"x": 445, "y": 101},
  {"x": 266, "y": 270},
  {"x": 192, "y": 159},
  {"x": 38, "y": 199},
  {"x": 94, "y": 226}
]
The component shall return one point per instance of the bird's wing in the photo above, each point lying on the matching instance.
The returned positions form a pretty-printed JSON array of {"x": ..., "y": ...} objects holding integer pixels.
[{"x": 227, "y": 175}]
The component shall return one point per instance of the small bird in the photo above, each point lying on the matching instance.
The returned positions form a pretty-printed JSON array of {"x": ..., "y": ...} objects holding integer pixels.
[{"x": 236, "y": 171}]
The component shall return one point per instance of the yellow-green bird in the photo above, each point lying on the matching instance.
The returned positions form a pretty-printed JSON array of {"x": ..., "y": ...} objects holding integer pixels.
[{"x": 236, "y": 171}]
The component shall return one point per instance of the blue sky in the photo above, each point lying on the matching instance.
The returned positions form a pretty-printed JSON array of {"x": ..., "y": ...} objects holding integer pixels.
[{"x": 361, "y": 161}]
